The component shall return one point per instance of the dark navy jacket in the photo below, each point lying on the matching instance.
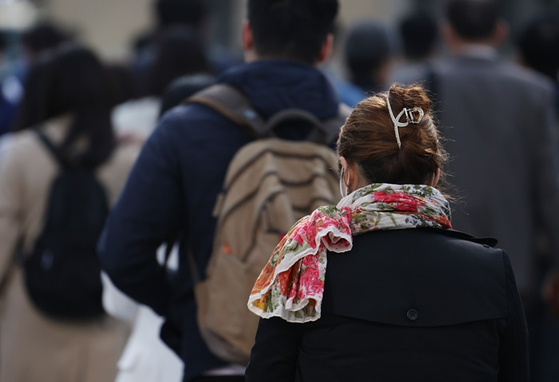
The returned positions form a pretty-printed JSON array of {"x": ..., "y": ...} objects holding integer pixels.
[
  {"x": 174, "y": 186},
  {"x": 404, "y": 305}
]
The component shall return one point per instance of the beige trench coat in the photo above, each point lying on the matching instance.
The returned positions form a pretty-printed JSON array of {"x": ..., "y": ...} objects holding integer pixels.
[{"x": 33, "y": 347}]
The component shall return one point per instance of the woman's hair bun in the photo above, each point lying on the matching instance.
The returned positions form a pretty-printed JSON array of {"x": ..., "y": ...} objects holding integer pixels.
[
  {"x": 410, "y": 97},
  {"x": 391, "y": 144}
]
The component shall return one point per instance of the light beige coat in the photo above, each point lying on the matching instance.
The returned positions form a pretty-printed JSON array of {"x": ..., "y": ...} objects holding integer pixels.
[{"x": 34, "y": 347}]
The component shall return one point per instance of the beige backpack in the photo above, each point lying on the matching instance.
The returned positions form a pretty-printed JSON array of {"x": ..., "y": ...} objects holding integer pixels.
[{"x": 270, "y": 184}]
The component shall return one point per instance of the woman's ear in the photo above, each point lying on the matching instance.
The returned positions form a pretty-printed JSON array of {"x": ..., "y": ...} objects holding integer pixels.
[
  {"x": 344, "y": 172},
  {"x": 343, "y": 163}
]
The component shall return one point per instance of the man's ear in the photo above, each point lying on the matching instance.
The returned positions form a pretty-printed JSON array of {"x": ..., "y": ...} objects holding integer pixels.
[
  {"x": 247, "y": 37},
  {"x": 326, "y": 49},
  {"x": 449, "y": 36},
  {"x": 500, "y": 34}
]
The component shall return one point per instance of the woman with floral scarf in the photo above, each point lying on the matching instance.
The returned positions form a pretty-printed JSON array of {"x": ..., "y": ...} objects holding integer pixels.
[{"x": 379, "y": 287}]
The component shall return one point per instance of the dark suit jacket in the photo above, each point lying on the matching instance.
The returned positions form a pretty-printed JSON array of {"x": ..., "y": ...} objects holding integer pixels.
[
  {"x": 501, "y": 133},
  {"x": 404, "y": 305}
]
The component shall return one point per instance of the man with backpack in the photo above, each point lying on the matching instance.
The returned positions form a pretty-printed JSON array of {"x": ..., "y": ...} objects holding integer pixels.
[{"x": 175, "y": 184}]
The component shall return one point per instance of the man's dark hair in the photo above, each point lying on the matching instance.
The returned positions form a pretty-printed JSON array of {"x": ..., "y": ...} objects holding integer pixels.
[
  {"x": 188, "y": 13},
  {"x": 43, "y": 37},
  {"x": 32, "y": 110},
  {"x": 182, "y": 88},
  {"x": 123, "y": 86},
  {"x": 473, "y": 19},
  {"x": 367, "y": 48},
  {"x": 539, "y": 44},
  {"x": 419, "y": 32},
  {"x": 71, "y": 81},
  {"x": 178, "y": 54},
  {"x": 291, "y": 29},
  {"x": 77, "y": 84}
]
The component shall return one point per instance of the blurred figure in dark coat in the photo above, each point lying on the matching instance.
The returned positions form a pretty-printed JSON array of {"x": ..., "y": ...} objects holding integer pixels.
[
  {"x": 36, "y": 41},
  {"x": 419, "y": 34},
  {"x": 508, "y": 186},
  {"x": 538, "y": 47},
  {"x": 368, "y": 55},
  {"x": 179, "y": 54}
]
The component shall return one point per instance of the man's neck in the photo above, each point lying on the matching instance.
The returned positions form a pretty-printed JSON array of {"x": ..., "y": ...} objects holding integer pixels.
[{"x": 476, "y": 49}]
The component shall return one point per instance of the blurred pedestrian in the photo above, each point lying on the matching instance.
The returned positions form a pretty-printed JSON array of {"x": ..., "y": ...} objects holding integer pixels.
[
  {"x": 182, "y": 88},
  {"x": 146, "y": 358},
  {"x": 390, "y": 293},
  {"x": 38, "y": 40},
  {"x": 192, "y": 15},
  {"x": 507, "y": 186},
  {"x": 33, "y": 107},
  {"x": 176, "y": 181},
  {"x": 419, "y": 33},
  {"x": 178, "y": 54},
  {"x": 122, "y": 82},
  {"x": 506, "y": 112},
  {"x": 369, "y": 52},
  {"x": 42, "y": 38},
  {"x": 538, "y": 46},
  {"x": 71, "y": 135}
]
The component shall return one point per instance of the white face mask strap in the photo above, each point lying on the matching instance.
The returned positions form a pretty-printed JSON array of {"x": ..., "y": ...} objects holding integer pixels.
[
  {"x": 410, "y": 118},
  {"x": 343, "y": 185}
]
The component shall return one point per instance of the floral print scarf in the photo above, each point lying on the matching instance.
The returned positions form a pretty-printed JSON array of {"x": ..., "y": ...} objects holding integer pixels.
[{"x": 291, "y": 284}]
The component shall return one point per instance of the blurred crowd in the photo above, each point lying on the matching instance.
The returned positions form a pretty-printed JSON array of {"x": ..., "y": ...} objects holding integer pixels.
[{"x": 59, "y": 84}]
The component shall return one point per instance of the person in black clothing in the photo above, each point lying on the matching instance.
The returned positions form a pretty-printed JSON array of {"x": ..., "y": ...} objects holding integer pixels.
[
  {"x": 420, "y": 34},
  {"x": 538, "y": 46},
  {"x": 181, "y": 170},
  {"x": 411, "y": 299},
  {"x": 182, "y": 88},
  {"x": 368, "y": 55}
]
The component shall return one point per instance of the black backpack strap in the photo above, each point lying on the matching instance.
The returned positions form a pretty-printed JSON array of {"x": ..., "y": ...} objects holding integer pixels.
[
  {"x": 233, "y": 105},
  {"x": 55, "y": 152}
]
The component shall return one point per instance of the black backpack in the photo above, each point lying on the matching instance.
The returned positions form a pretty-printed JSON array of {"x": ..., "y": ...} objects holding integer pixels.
[{"x": 63, "y": 273}]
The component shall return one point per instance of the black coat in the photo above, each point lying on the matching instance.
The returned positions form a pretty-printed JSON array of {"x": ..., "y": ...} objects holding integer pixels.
[{"x": 404, "y": 305}]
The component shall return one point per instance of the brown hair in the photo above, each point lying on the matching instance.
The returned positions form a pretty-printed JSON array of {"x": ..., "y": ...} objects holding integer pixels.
[{"x": 368, "y": 139}]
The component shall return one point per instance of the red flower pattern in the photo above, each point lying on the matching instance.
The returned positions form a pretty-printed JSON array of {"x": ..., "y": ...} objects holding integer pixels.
[
  {"x": 399, "y": 200},
  {"x": 329, "y": 227}
]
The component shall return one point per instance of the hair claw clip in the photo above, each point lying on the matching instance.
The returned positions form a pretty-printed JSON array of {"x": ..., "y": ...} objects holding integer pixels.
[{"x": 414, "y": 116}]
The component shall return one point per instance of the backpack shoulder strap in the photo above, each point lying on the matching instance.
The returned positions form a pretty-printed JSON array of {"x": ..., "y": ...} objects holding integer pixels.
[
  {"x": 51, "y": 148},
  {"x": 233, "y": 105}
]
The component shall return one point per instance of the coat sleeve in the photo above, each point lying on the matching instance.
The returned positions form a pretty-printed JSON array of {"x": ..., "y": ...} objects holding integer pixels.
[
  {"x": 148, "y": 213},
  {"x": 11, "y": 188},
  {"x": 513, "y": 350},
  {"x": 275, "y": 352}
]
